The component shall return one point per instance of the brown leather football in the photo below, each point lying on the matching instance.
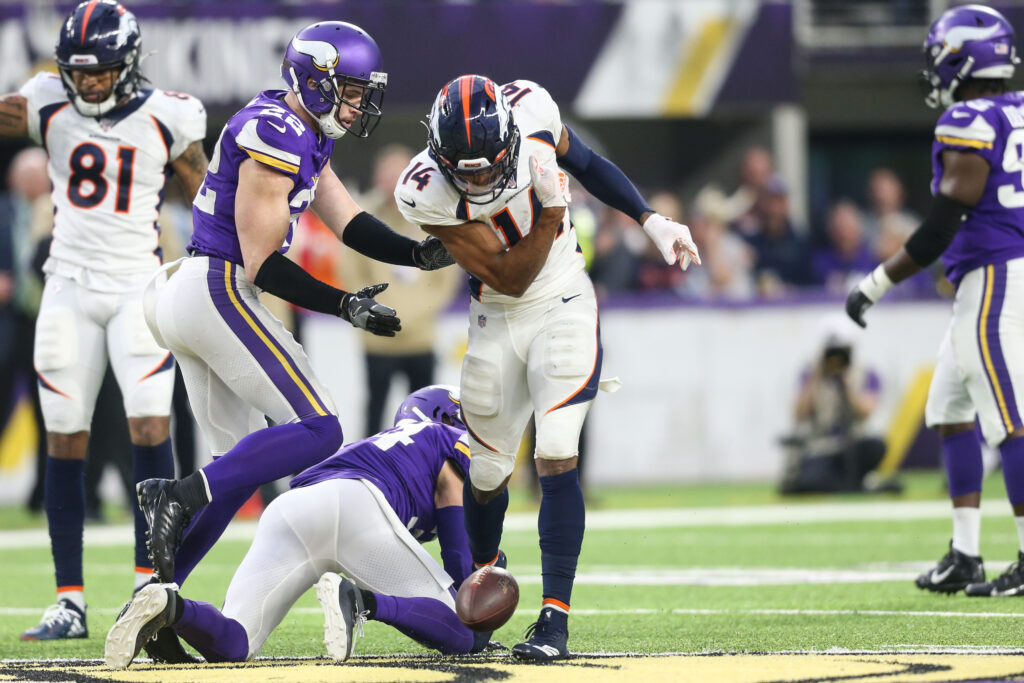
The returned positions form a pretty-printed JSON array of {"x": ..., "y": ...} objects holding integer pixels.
[{"x": 487, "y": 599}]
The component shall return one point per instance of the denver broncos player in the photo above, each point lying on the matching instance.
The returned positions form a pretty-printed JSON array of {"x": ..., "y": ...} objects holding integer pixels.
[
  {"x": 364, "y": 511},
  {"x": 489, "y": 186},
  {"x": 111, "y": 144},
  {"x": 976, "y": 223}
]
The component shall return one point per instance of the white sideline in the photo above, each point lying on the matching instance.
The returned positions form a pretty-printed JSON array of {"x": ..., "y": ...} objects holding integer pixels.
[{"x": 597, "y": 520}]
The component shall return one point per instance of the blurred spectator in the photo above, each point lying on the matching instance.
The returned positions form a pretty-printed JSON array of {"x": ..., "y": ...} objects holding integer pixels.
[
  {"x": 782, "y": 261},
  {"x": 828, "y": 452},
  {"x": 739, "y": 208},
  {"x": 886, "y": 197},
  {"x": 727, "y": 260},
  {"x": 617, "y": 245},
  {"x": 25, "y": 221},
  {"x": 418, "y": 296},
  {"x": 652, "y": 273},
  {"x": 896, "y": 228},
  {"x": 848, "y": 255}
]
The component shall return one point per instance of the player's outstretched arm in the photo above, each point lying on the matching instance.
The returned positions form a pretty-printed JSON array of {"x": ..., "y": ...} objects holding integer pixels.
[
  {"x": 368, "y": 235},
  {"x": 607, "y": 182},
  {"x": 190, "y": 168},
  {"x": 13, "y": 116},
  {"x": 262, "y": 217},
  {"x": 509, "y": 271},
  {"x": 963, "y": 184},
  {"x": 451, "y": 524}
]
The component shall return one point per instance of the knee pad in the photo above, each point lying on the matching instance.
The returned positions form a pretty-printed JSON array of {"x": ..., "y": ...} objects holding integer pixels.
[
  {"x": 487, "y": 469},
  {"x": 480, "y": 390},
  {"x": 55, "y": 347},
  {"x": 558, "y": 432}
]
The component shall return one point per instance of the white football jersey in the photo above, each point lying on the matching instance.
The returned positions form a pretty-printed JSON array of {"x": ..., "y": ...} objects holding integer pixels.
[
  {"x": 108, "y": 178},
  {"x": 425, "y": 197}
]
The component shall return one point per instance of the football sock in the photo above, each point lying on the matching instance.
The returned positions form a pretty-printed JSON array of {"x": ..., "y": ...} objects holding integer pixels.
[
  {"x": 77, "y": 597},
  {"x": 560, "y": 523},
  {"x": 149, "y": 462},
  {"x": 967, "y": 530},
  {"x": 1012, "y": 451},
  {"x": 64, "y": 486},
  {"x": 275, "y": 452},
  {"x": 962, "y": 454},
  {"x": 143, "y": 575},
  {"x": 1019, "y": 521},
  {"x": 451, "y": 534},
  {"x": 429, "y": 622},
  {"x": 483, "y": 523},
  {"x": 217, "y": 638},
  {"x": 206, "y": 527}
]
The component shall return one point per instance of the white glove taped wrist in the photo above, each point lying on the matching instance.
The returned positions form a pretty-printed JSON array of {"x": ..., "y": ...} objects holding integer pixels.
[
  {"x": 672, "y": 239},
  {"x": 875, "y": 285},
  {"x": 550, "y": 183}
]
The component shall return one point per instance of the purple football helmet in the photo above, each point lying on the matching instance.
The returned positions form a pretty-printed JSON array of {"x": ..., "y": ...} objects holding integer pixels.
[
  {"x": 99, "y": 35},
  {"x": 435, "y": 403},
  {"x": 472, "y": 135},
  {"x": 325, "y": 58},
  {"x": 970, "y": 41}
]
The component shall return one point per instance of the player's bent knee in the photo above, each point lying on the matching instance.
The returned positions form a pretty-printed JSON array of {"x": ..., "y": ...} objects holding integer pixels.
[
  {"x": 558, "y": 432},
  {"x": 489, "y": 470}
]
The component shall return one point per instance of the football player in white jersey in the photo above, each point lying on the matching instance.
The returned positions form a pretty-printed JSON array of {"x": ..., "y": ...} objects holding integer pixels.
[
  {"x": 489, "y": 186},
  {"x": 110, "y": 143}
]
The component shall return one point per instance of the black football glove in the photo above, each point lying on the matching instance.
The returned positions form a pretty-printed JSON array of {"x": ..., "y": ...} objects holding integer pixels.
[
  {"x": 361, "y": 310},
  {"x": 857, "y": 304},
  {"x": 430, "y": 254}
]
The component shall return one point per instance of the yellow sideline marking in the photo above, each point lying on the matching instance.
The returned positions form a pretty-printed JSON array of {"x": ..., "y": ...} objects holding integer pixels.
[
  {"x": 907, "y": 422},
  {"x": 741, "y": 668},
  {"x": 18, "y": 441}
]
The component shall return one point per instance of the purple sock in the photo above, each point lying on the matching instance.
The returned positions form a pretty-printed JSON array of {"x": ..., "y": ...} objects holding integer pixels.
[
  {"x": 1012, "y": 451},
  {"x": 561, "y": 522},
  {"x": 216, "y": 637},
  {"x": 206, "y": 527},
  {"x": 962, "y": 453},
  {"x": 429, "y": 622},
  {"x": 269, "y": 454}
]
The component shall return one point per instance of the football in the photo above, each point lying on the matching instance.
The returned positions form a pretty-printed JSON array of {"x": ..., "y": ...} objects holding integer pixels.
[{"x": 487, "y": 599}]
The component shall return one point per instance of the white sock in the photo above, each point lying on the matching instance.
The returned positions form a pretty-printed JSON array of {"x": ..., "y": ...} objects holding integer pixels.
[
  {"x": 1019, "y": 521},
  {"x": 77, "y": 597},
  {"x": 967, "y": 530},
  {"x": 142, "y": 577}
]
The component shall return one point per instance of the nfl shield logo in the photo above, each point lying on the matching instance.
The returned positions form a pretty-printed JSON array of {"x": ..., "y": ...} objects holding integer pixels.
[{"x": 481, "y": 320}]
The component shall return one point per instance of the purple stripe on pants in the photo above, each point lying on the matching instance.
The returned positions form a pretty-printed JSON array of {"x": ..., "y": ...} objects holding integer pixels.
[
  {"x": 264, "y": 355},
  {"x": 995, "y": 349}
]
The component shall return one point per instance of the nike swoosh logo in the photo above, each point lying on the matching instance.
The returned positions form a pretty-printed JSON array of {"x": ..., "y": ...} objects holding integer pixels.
[
  {"x": 412, "y": 203},
  {"x": 939, "y": 577},
  {"x": 565, "y": 301},
  {"x": 279, "y": 129}
]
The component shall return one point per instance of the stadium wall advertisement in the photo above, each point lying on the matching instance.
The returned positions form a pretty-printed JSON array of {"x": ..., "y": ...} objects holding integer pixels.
[{"x": 635, "y": 59}]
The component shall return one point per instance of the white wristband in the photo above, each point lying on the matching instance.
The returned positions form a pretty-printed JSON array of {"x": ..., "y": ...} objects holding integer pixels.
[{"x": 876, "y": 284}]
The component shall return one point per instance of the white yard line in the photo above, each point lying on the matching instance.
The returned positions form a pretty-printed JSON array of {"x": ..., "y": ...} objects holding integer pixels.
[{"x": 603, "y": 520}]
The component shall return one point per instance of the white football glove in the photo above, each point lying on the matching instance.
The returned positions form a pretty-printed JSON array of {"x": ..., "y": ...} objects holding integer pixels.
[
  {"x": 550, "y": 183},
  {"x": 672, "y": 239}
]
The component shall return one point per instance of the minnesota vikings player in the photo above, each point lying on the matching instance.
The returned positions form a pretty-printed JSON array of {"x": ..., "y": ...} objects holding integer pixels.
[
  {"x": 240, "y": 364},
  {"x": 364, "y": 511},
  {"x": 976, "y": 223},
  {"x": 111, "y": 144},
  {"x": 489, "y": 186}
]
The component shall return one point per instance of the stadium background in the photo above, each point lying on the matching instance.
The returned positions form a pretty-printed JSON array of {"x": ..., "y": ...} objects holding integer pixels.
[{"x": 677, "y": 93}]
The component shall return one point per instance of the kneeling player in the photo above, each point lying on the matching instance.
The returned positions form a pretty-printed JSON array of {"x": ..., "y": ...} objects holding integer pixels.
[{"x": 364, "y": 512}]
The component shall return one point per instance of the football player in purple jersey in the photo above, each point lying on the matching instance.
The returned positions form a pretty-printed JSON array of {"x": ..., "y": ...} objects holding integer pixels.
[
  {"x": 270, "y": 163},
  {"x": 365, "y": 511},
  {"x": 976, "y": 224}
]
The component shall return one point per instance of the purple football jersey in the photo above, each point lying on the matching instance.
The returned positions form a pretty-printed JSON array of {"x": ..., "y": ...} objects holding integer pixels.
[
  {"x": 994, "y": 230},
  {"x": 403, "y": 462},
  {"x": 268, "y": 131}
]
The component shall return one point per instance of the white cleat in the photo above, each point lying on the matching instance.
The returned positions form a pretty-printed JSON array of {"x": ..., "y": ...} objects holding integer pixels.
[
  {"x": 344, "y": 615},
  {"x": 152, "y": 608}
]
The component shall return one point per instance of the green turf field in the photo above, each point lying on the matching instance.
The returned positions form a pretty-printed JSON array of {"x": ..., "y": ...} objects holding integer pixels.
[{"x": 666, "y": 570}]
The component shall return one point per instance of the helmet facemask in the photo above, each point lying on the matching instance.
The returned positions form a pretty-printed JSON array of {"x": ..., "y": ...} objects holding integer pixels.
[
  {"x": 327, "y": 93},
  {"x": 125, "y": 84}
]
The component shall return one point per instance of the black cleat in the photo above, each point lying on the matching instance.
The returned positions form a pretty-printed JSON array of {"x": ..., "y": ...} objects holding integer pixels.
[
  {"x": 953, "y": 573},
  {"x": 546, "y": 639},
  {"x": 1009, "y": 583},
  {"x": 165, "y": 648},
  {"x": 152, "y": 609},
  {"x": 167, "y": 517}
]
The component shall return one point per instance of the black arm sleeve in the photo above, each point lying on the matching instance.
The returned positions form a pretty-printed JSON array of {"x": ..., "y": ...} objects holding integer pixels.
[
  {"x": 372, "y": 237},
  {"x": 287, "y": 279},
  {"x": 602, "y": 178},
  {"x": 937, "y": 231}
]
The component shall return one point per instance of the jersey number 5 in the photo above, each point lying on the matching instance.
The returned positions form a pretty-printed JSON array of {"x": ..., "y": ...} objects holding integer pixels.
[{"x": 87, "y": 187}]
